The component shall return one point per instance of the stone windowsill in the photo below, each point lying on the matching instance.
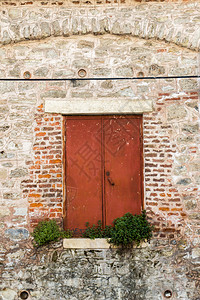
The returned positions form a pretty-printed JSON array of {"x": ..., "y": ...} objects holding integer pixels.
[{"x": 84, "y": 243}]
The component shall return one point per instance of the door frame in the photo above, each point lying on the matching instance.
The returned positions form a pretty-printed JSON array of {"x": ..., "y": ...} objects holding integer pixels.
[{"x": 64, "y": 121}]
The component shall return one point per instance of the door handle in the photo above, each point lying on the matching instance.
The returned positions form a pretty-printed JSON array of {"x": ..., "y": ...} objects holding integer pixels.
[{"x": 110, "y": 181}]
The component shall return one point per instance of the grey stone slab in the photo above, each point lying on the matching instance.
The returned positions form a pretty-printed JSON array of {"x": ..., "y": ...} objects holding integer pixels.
[{"x": 98, "y": 106}]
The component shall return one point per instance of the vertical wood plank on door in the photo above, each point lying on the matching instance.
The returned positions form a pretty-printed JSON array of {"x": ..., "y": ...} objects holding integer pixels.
[
  {"x": 84, "y": 174},
  {"x": 123, "y": 178}
]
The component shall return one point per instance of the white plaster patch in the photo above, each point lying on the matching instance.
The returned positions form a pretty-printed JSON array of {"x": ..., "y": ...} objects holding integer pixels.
[{"x": 20, "y": 211}]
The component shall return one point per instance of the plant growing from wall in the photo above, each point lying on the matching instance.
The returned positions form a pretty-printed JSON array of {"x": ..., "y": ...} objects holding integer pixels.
[
  {"x": 131, "y": 229},
  {"x": 97, "y": 231},
  {"x": 48, "y": 231},
  {"x": 126, "y": 230}
]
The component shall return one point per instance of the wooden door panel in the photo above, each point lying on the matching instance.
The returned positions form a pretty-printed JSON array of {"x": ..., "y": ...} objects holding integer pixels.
[
  {"x": 84, "y": 172},
  {"x": 123, "y": 178}
]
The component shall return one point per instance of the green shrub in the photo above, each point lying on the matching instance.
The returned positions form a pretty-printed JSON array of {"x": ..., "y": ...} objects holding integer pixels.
[
  {"x": 48, "y": 231},
  {"x": 131, "y": 229},
  {"x": 97, "y": 231},
  {"x": 125, "y": 231}
]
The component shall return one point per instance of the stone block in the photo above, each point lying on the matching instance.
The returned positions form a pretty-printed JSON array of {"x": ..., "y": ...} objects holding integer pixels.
[
  {"x": 8, "y": 294},
  {"x": 196, "y": 253},
  {"x": 80, "y": 63},
  {"x": 15, "y": 72},
  {"x": 65, "y": 27},
  {"x": 11, "y": 195},
  {"x": 4, "y": 109},
  {"x": 195, "y": 166},
  {"x": 176, "y": 112},
  {"x": 41, "y": 72},
  {"x": 184, "y": 181},
  {"x": 45, "y": 29},
  {"x": 14, "y": 13},
  {"x": 6, "y": 39},
  {"x": 18, "y": 172},
  {"x": 184, "y": 139},
  {"x": 25, "y": 86},
  {"x": 188, "y": 84},
  {"x": 4, "y": 155},
  {"x": 197, "y": 179},
  {"x": 124, "y": 71},
  {"x": 17, "y": 234},
  {"x": 102, "y": 72},
  {"x": 191, "y": 128},
  {"x": 64, "y": 74},
  {"x": 180, "y": 170},
  {"x": 126, "y": 92},
  {"x": 4, "y": 211},
  {"x": 194, "y": 216},
  {"x": 14, "y": 146},
  {"x": 85, "y": 44},
  {"x": 3, "y": 174},
  {"x": 85, "y": 244},
  {"x": 96, "y": 106},
  {"x": 190, "y": 205},
  {"x": 83, "y": 94},
  {"x": 7, "y": 165},
  {"x": 155, "y": 70},
  {"x": 54, "y": 94},
  {"x": 56, "y": 29},
  {"x": 107, "y": 84}
]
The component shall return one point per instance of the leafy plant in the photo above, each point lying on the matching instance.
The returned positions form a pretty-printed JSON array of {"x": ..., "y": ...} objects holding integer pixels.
[
  {"x": 97, "y": 231},
  {"x": 125, "y": 231},
  {"x": 131, "y": 229},
  {"x": 48, "y": 231}
]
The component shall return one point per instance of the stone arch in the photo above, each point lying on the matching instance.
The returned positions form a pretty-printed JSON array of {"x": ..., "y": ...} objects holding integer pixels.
[{"x": 144, "y": 21}]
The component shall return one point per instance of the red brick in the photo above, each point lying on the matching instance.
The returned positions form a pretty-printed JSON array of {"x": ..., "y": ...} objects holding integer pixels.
[
  {"x": 44, "y": 176},
  {"x": 164, "y": 208},
  {"x": 34, "y": 195},
  {"x": 36, "y": 205}
]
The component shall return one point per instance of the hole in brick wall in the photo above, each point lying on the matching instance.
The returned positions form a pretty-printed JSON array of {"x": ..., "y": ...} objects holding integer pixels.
[
  {"x": 27, "y": 75},
  {"x": 140, "y": 74},
  {"x": 24, "y": 295},
  {"x": 168, "y": 294},
  {"x": 82, "y": 73}
]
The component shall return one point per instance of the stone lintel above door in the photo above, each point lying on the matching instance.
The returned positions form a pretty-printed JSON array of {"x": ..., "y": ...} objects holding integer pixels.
[{"x": 98, "y": 106}]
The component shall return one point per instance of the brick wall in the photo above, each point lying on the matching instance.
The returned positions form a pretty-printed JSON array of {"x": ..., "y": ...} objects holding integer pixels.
[{"x": 44, "y": 189}]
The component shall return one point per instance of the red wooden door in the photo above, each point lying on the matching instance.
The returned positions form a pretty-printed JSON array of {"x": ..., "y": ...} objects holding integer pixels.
[
  {"x": 103, "y": 169},
  {"x": 123, "y": 180}
]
